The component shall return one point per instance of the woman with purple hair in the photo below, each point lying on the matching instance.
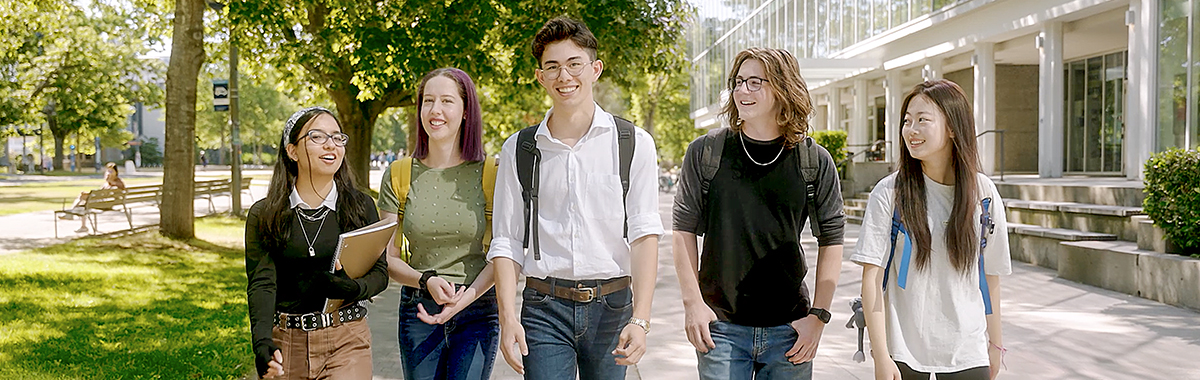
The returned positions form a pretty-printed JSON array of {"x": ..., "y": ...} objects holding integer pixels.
[{"x": 448, "y": 325}]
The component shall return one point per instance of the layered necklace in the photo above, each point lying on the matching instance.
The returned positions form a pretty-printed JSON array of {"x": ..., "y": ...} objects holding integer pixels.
[
  {"x": 317, "y": 215},
  {"x": 743, "y": 136}
]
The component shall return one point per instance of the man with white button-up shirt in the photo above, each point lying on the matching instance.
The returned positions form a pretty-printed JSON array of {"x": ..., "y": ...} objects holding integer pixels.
[{"x": 580, "y": 316}]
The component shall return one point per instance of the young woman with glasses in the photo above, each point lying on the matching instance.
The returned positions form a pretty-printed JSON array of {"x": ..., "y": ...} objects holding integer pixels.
[{"x": 291, "y": 237}]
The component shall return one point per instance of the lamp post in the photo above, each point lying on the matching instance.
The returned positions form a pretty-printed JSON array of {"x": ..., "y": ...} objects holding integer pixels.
[{"x": 235, "y": 141}]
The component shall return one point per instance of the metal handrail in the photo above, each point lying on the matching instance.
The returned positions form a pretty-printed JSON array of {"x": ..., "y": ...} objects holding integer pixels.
[
  {"x": 868, "y": 145},
  {"x": 999, "y": 133}
]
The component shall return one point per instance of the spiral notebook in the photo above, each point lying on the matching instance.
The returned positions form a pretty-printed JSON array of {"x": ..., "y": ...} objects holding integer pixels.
[{"x": 359, "y": 250}]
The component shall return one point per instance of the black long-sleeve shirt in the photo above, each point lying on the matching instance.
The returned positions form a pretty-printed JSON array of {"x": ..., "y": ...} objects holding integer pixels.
[
  {"x": 752, "y": 266},
  {"x": 279, "y": 279}
]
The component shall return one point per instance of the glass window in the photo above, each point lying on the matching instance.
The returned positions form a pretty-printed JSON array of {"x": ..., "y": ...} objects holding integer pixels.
[
  {"x": 881, "y": 20},
  {"x": 899, "y": 12},
  {"x": 1172, "y": 73}
]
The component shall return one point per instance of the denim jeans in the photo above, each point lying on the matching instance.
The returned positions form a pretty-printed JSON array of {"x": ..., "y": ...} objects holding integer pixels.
[
  {"x": 567, "y": 337},
  {"x": 462, "y": 348},
  {"x": 744, "y": 353}
]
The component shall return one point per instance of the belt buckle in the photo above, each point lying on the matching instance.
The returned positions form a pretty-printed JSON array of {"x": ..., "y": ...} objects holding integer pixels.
[
  {"x": 304, "y": 322},
  {"x": 590, "y": 293}
]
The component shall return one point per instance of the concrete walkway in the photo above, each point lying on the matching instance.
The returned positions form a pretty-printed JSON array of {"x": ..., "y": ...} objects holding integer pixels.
[{"x": 1053, "y": 328}]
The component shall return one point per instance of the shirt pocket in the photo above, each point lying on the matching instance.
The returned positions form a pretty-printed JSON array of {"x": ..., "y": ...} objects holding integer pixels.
[{"x": 602, "y": 197}]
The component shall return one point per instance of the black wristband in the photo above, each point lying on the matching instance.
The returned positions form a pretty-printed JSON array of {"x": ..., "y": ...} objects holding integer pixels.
[{"x": 424, "y": 281}]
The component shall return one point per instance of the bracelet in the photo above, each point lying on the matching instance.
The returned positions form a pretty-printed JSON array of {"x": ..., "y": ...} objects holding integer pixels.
[
  {"x": 1003, "y": 351},
  {"x": 644, "y": 324}
]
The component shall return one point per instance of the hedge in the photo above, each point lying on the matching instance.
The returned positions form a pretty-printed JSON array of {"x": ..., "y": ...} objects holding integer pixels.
[{"x": 1173, "y": 195}]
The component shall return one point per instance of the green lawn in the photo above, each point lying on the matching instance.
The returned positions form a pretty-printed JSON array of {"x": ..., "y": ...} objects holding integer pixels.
[{"x": 135, "y": 307}]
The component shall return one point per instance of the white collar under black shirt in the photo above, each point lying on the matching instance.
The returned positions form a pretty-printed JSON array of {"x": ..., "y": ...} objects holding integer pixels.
[{"x": 330, "y": 200}]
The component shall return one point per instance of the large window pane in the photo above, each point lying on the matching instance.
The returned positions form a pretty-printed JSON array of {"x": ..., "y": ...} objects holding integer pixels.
[
  {"x": 1113, "y": 138},
  {"x": 1172, "y": 72},
  {"x": 1076, "y": 74},
  {"x": 899, "y": 12},
  {"x": 880, "y": 15}
]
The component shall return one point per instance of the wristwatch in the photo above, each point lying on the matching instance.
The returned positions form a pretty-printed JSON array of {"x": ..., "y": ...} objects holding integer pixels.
[
  {"x": 423, "y": 282},
  {"x": 821, "y": 314},
  {"x": 644, "y": 324}
]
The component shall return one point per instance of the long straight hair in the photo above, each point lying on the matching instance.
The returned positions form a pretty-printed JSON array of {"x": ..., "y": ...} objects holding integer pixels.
[
  {"x": 961, "y": 238},
  {"x": 277, "y": 217}
]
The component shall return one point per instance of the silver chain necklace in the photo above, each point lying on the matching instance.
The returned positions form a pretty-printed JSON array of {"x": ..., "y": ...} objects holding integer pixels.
[
  {"x": 777, "y": 155},
  {"x": 302, "y": 216}
]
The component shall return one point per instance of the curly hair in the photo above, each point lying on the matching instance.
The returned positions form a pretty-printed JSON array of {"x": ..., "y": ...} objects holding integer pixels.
[{"x": 791, "y": 93}]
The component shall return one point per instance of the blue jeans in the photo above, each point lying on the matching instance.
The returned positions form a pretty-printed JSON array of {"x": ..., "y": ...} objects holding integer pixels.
[
  {"x": 462, "y": 348},
  {"x": 744, "y": 353},
  {"x": 567, "y": 337}
]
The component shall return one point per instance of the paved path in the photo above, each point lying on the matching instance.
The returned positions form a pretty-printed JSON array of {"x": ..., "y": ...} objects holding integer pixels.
[{"x": 1053, "y": 328}]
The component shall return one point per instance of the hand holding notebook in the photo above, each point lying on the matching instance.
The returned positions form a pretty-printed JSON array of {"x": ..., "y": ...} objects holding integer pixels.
[{"x": 357, "y": 251}]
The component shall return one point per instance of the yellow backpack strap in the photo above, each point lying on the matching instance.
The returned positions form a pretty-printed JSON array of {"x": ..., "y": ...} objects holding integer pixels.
[
  {"x": 489, "y": 191},
  {"x": 401, "y": 179}
]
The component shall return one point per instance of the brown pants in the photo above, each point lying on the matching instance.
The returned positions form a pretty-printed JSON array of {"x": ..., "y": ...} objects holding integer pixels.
[{"x": 338, "y": 352}]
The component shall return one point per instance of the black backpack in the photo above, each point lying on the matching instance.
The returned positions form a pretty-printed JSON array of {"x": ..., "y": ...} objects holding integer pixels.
[
  {"x": 710, "y": 161},
  {"x": 529, "y": 161}
]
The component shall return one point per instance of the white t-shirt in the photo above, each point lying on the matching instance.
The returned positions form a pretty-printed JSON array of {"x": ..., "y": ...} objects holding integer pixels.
[{"x": 937, "y": 322}]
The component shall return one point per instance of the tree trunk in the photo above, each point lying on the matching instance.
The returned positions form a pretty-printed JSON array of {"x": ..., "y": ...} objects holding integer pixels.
[
  {"x": 361, "y": 127},
  {"x": 58, "y": 151},
  {"x": 187, "y": 54}
]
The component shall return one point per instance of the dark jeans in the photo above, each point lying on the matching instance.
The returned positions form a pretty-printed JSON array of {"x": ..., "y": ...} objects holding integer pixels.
[
  {"x": 744, "y": 353},
  {"x": 977, "y": 373},
  {"x": 567, "y": 337},
  {"x": 462, "y": 348}
]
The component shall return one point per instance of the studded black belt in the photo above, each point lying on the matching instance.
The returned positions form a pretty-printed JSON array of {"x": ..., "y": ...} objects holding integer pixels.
[{"x": 316, "y": 321}]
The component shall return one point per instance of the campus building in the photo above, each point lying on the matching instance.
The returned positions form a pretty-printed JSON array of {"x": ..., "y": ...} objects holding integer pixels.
[{"x": 1060, "y": 87}]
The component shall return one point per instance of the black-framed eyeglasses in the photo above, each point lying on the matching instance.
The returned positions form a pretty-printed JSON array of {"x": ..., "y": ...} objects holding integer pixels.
[
  {"x": 752, "y": 83},
  {"x": 319, "y": 137},
  {"x": 575, "y": 68}
]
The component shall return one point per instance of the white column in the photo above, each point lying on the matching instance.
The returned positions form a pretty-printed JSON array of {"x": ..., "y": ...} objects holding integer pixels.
[
  {"x": 895, "y": 96},
  {"x": 985, "y": 105},
  {"x": 1050, "y": 101},
  {"x": 1141, "y": 115},
  {"x": 932, "y": 69},
  {"x": 834, "y": 121},
  {"x": 860, "y": 132}
]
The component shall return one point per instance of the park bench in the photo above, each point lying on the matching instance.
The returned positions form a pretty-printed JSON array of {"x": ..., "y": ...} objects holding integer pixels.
[{"x": 100, "y": 201}]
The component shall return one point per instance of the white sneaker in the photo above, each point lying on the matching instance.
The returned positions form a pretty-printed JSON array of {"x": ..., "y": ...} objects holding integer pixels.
[{"x": 82, "y": 230}]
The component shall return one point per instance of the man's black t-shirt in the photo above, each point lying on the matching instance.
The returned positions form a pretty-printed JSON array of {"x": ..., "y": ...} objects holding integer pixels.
[{"x": 752, "y": 266}]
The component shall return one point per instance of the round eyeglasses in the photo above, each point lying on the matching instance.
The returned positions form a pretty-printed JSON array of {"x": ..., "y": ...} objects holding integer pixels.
[
  {"x": 319, "y": 137},
  {"x": 553, "y": 70}
]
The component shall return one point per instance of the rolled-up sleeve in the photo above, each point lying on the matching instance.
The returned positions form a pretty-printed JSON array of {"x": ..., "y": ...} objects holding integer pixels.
[
  {"x": 831, "y": 215},
  {"x": 686, "y": 214},
  {"x": 508, "y": 227},
  {"x": 642, "y": 202}
]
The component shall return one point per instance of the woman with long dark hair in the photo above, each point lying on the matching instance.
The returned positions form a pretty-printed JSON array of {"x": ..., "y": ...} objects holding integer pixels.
[
  {"x": 291, "y": 237},
  {"x": 941, "y": 217},
  {"x": 448, "y": 326}
]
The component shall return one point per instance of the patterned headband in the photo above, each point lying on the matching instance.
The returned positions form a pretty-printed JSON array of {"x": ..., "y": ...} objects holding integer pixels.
[{"x": 291, "y": 122}]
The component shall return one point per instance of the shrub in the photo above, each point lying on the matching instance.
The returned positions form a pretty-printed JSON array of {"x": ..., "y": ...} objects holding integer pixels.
[
  {"x": 1173, "y": 195},
  {"x": 835, "y": 143}
]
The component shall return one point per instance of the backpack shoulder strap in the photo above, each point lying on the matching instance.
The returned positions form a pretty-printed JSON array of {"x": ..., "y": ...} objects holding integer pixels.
[
  {"x": 401, "y": 182},
  {"x": 810, "y": 158},
  {"x": 905, "y": 255},
  {"x": 529, "y": 160},
  {"x": 489, "y": 194},
  {"x": 626, "y": 142},
  {"x": 986, "y": 227},
  {"x": 710, "y": 157}
]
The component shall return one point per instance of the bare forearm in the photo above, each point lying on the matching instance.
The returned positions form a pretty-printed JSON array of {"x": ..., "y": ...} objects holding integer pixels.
[
  {"x": 993, "y": 321},
  {"x": 645, "y": 274},
  {"x": 398, "y": 270},
  {"x": 829, "y": 268},
  {"x": 687, "y": 262},
  {"x": 506, "y": 271},
  {"x": 484, "y": 281},
  {"x": 874, "y": 311}
]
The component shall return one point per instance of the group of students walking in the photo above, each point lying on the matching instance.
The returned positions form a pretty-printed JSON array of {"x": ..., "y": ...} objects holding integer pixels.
[{"x": 571, "y": 204}]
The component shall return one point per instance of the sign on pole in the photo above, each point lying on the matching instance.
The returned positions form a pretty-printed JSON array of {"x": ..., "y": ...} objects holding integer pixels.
[{"x": 220, "y": 95}]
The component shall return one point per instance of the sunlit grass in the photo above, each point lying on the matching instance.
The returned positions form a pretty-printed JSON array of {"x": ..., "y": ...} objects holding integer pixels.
[{"x": 137, "y": 307}]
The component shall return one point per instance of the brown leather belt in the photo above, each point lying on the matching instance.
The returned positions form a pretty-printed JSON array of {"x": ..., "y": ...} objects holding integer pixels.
[{"x": 577, "y": 291}]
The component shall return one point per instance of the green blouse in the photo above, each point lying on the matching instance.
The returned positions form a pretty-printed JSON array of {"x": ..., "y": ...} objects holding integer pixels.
[{"x": 443, "y": 219}]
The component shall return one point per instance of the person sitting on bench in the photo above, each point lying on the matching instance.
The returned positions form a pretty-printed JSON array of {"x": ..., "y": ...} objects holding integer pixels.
[{"x": 112, "y": 180}]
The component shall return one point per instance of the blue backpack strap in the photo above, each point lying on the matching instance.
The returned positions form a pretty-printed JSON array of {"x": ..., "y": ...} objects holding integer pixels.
[
  {"x": 986, "y": 228},
  {"x": 905, "y": 257}
]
